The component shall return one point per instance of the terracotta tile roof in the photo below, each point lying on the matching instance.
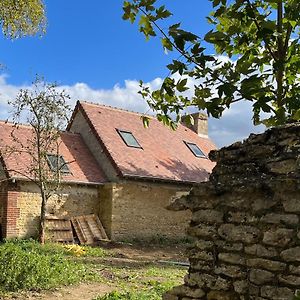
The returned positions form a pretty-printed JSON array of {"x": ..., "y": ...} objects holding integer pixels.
[
  {"x": 82, "y": 165},
  {"x": 163, "y": 156}
]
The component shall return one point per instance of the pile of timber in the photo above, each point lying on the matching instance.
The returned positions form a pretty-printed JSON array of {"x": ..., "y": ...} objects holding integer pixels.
[{"x": 88, "y": 229}]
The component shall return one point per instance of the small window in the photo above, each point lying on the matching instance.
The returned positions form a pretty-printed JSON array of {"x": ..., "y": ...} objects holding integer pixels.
[
  {"x": 195, "y": 149},
  {"x": 129, "y": 139},
  {"x": 57, "y": 162}
]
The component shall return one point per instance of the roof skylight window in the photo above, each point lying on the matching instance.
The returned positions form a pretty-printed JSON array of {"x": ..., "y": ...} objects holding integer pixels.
[
  {"x": 57, "y": 163},
  {"x": 129, "y": 139},
  {"x": 195, "y": 149}
]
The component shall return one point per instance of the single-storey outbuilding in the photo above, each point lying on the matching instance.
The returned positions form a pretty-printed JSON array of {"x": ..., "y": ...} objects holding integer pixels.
[{"x": 117, "y": 169}]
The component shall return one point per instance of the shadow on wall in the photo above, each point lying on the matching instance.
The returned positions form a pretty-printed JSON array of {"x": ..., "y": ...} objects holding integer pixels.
[{"x": 30, "y": 227}]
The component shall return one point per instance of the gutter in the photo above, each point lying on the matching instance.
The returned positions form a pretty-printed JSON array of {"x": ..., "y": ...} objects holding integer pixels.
[
  {"x": 159, "y": 179},
  {"x": 14, "y": 179}
]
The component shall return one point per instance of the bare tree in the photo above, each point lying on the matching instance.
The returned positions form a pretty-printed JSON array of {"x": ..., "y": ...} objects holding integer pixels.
[{"x": 45, "y": 110}]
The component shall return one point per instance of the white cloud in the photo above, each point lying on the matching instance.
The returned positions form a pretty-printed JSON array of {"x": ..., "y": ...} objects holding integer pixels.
[{"x": 236, "y": 124}]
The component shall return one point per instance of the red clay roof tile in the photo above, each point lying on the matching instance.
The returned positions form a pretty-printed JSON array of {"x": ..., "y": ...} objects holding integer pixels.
[
  {"x": 83, "y": 166},
  {"x": 164, "y": 155}
]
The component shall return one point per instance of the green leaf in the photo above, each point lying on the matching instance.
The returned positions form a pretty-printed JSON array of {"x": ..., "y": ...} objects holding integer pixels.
[
  {"x": 146, "y": 121},
  {"x": 181, "y": 85},
  {"x": 167, "y": 44}
]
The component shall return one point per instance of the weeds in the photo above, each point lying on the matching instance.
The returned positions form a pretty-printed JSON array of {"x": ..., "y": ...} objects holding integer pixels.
[
  {"x": 153, "y": 291},
  {"x": 27, "y": 265}
]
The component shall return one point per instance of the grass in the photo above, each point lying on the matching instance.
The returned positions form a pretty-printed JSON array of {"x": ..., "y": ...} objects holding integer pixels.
[{"x": 26, "y": 265}]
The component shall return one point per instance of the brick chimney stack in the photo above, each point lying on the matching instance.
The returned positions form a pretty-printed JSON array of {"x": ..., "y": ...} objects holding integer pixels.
[{"x": 200, "y": 123}]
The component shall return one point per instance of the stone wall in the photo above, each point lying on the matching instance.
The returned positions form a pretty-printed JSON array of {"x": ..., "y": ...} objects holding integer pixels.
[
  {"x": 246, "y": 222},
  {"x": 138, "y": 211},
  {"x": 24, "y": 205}
]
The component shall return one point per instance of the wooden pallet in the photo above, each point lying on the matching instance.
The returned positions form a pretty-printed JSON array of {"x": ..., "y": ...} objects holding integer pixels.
[
  {"x": 59, "y": 230},
  {"x": 89, "y": 229}
]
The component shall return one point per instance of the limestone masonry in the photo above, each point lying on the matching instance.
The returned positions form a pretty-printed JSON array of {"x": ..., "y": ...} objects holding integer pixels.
[{"x": 245, "y": 221}]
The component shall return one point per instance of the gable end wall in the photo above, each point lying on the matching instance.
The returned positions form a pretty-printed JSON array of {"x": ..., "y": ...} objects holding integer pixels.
[{"x": 80, "y": 125}]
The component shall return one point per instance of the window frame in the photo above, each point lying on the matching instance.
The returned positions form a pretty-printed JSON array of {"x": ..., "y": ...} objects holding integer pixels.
[
  {"x": 120, "y": 131},
  {"x": 60, "y": 158},
  {"x": 194, "y": 144}
]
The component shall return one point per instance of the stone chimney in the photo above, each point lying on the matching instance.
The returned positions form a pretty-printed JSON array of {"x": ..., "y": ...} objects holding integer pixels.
[{"x": 200, "y": 123}]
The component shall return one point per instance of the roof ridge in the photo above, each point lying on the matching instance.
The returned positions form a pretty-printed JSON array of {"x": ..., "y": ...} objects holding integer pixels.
[
  {"x": 11, "y": 123},
  {"x": 116, "y": 108}
]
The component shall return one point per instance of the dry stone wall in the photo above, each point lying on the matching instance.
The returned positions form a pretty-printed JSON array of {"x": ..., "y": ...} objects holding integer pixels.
[{"x": 246, "y": 222}]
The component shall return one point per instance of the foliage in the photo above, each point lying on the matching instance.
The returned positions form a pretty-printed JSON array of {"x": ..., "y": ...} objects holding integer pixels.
[
  {"x": 154, "y": 292},
  {"x": 29, "y": 268},
  {"x": 22, "y": 17},
  {"x": 46, "y": 111},
  {"x": 256, "y": 59},
  {"x": 59, "y": 249}
]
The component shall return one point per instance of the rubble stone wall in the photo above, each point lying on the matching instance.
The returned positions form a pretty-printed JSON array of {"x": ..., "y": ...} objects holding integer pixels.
[
  {"x": 139, "y": 211},
  {"x": 246, "y": 222}
]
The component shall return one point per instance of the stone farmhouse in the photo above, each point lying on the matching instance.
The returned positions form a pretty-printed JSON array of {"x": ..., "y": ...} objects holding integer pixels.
[{"x": 115, "y": 168}]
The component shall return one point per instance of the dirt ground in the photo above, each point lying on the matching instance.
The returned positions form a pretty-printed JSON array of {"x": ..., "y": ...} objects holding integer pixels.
[{"x": 124, "y": 255}]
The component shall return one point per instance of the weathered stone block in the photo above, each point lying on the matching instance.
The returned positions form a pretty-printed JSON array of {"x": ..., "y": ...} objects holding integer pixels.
[
  {"x": 289, "y": 280},
  {"x": 266, "y": 264},
  {"x": 230, "y": 271},
  {"x": 236, "y": 233},
  {"x": 253, "y": 290},
  {"x": 263, "y": 203},
  {"x": 201, "y": 280},
  {"x": 202, "y": 231},
  {"x": 273, "y": 218},
  {"x": 217, "y": 295},
  {"x": 232, "y": 258},
  {"x": 203, "y": 245},
  {"x": 241, "y": 217},
  {"x": 292, "y": 204},
  {"x": 200, "y": 265},
  {"x": 291, "y": 255},
  {"x": 261, "y": 251},
  {"x": 207, "y": 216},
  {"x": 228, "y": 246},
  {"x": 278, "y": 237},
  {"x": 261, "y": 277},
  {"x": 294, "y": 270},
  {"x": 276, "y": 293},
  {"x": 283, "y": 167},
  {"x": 221, "y": 284},
  {"x": 202, "y": 255},
  {"x": 240, "y": 286},
  {"x": 185, "y": 291},
  {"x": 169, "y": 296}
]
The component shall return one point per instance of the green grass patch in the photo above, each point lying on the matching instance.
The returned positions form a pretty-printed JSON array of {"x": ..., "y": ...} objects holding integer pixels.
[
  {"x": 27, "y": 265},
  {"x": 54, "y": 248},
  {"x": 152, "y": 291}
]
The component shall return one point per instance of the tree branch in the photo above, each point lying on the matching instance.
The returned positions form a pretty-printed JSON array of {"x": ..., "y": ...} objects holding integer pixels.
[{"x": 258, "y": 28}]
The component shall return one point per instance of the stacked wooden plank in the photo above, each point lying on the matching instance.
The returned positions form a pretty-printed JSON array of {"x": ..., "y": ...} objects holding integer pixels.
[
  {"x": 89, "y": 229},
  {"x": 59, "y": 230}
]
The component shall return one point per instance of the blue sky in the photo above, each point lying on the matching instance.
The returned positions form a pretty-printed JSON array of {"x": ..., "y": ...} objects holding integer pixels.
[{"x": 89, "y": 50}]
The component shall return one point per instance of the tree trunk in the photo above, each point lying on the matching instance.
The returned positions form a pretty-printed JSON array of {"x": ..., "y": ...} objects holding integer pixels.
[{"x": 42, "y": 219}]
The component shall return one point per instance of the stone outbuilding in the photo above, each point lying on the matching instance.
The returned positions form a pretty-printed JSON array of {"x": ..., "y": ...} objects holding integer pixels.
[{"x": 119, "y": 170}]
